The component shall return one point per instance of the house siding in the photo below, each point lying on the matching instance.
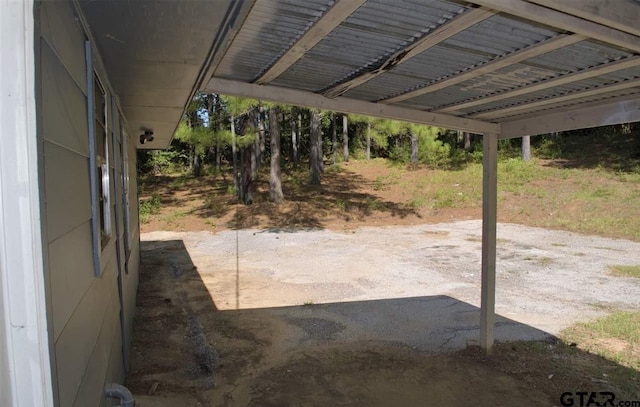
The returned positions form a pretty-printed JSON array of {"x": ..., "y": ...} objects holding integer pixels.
[{"x": 86, "y": 311}]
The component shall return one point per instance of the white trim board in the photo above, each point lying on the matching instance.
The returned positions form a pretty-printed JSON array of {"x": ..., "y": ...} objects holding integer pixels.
[{"x": 22, "y": 280}]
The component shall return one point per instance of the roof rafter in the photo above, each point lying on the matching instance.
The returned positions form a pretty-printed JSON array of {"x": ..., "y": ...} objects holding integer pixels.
[
  {"x": 540, "y": 48},
  {"x": 558, "y": 99},
  {"x": 627, "y": 63},
  {"x": 435, "y": 37},
  {"x": 546, "y": 16},
  {"x": 622, "y": 15},
  {"x": 327, "y": 23},
  {"x": 617, "y": 111},
  {"x": 341, "y": 104}
]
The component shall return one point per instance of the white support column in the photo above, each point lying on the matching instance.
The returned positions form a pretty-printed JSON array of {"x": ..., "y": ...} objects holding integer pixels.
[{"x": 489, "y": 219}]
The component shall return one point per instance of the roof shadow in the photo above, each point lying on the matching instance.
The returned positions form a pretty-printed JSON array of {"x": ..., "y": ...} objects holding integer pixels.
[{"x": 186, "y": 342}]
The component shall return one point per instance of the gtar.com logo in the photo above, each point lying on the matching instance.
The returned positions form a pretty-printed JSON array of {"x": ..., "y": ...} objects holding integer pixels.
[{"x": 594, "y": 399}]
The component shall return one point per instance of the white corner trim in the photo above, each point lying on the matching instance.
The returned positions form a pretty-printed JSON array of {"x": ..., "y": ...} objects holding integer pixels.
[{"x": 23, "y": 305}]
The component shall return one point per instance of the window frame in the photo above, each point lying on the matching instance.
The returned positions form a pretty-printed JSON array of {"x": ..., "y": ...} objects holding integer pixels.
[{"x": 99, "y": 166}]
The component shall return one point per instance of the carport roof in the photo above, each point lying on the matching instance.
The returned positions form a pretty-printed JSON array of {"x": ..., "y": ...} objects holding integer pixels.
[
  {"x": 510, "y": 67},
  {"x": 506, "y": 67}
]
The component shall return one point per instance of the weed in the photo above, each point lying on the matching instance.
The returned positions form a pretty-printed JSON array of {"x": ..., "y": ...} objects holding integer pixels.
[
  {"x": 371, "y": 204},
  {"x": 626, "y": 271},
  {"x": 308, "y": 303},
  {"x": 149, "y": 207},
  {"x": 418, "y": 202}
]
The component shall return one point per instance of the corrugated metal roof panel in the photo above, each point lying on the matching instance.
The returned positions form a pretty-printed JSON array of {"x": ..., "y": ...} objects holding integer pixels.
[
  {"x": 566, "y": 89},
  {"x": 377, "y": 87},
  {"x": 477, "y": 45},
  {"x": 577, "y": 57},
  {"x": 269, "y": 30},
  {"x": 499, "y": 35},
  {"x": 367, "y": 37},
  {"x": 631, "y": 92}
]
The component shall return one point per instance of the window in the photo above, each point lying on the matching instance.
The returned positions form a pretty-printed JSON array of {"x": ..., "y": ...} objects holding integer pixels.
[
  {"x": 102, "y": 161},
  {"x": 99, "y": 169},
  {"x": 124, "y": 151}
]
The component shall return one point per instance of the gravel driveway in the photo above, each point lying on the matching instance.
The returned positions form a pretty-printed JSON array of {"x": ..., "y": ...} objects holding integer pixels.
[{"x": 416, "y": 285}]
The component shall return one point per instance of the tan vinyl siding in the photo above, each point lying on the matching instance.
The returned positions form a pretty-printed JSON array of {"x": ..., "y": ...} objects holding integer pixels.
[
  {"x": 98, "y": 367},
  {"x": 85, "y": 309},
  {"x": 60, "y": 28},
  {"x": 69, "y": 112},
  {"x": 68, "y": 198},
  {"x": 72, "y": 275},
  {"x": 77, "y": 342}
]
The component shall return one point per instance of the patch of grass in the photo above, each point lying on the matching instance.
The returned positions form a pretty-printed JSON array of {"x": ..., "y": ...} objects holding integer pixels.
[
  {"x": 545, "y": 261},
  {"x": 417, "y": 202},
  {"x": 149, "y": 207},
  {"x": 308, "y": 303},
  {"x": 615, "y": 337},
  {"x": 174, "y": 217},
  {"x": 372, "y": 204},
  {"x": 450, "y": 198},
  {"x": 179, "y": 182},
  {"x": 383, "y": 182},
  {"x": 626, "y": 271},
  {"x": 559, "y": 244}
]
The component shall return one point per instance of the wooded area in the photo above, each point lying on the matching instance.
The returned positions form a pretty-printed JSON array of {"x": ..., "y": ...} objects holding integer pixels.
[
  {"x": 248, "y": 134},
  {"x": 221, "y": 133}
]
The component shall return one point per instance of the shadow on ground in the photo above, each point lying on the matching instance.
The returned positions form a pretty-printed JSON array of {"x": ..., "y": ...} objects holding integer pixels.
[
  {"x": 304, "y": 207},
  {"x": 361, "y": 353}
]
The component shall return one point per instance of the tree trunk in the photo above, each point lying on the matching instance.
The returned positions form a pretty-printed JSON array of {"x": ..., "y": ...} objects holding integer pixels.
[
  {"x": 247, "y": 155},
  {"x": 414, "y": 149},
  {"x": 299, "y": 140},
  {"x": 345, "y": 138},
  {"x": 254, "y": 125},
  {"x": 368, "y": 141},
  {"x": 316, "y": 148},
  {"x": 334, "y": 139},
  {"x": 294, "y": 136},
  {"x": 526, "y": 148},
  {"x": 467, "y": 141},
  {"x": 197, "y": 165},
  {"x": 263, "y": 137},
  {"x": 233, "y": 155},
  {"x": 275, "y": 182}
]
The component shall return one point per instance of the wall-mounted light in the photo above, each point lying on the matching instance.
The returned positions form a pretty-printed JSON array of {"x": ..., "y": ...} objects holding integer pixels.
[{"x": 146, "y": 137}]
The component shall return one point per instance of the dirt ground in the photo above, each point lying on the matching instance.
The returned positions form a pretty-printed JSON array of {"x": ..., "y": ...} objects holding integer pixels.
[
  {"x": 387, "y": 317},
  {"x": 218, "y": 325}
]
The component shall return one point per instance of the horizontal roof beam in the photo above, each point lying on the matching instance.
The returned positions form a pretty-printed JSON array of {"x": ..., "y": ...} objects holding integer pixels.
[
  {"x": 327, "y": 23},
  {"x": 567, "y": 22},
  {"x": 618, "y": 111},
  {"x": 622, "y": 15},
  {"x": 341, "y": 104},
  {"x": 627, "y": 63},
  {"x": 494, "y": 114},
  {"x": 513, "y": 58},
  {"x": 447, "y": 30}
]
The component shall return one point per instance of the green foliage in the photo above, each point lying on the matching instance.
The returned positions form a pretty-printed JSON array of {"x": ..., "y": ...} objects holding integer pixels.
[
  {"x": 149, "y": 207},
  {"x": 161, "y": 161}
]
